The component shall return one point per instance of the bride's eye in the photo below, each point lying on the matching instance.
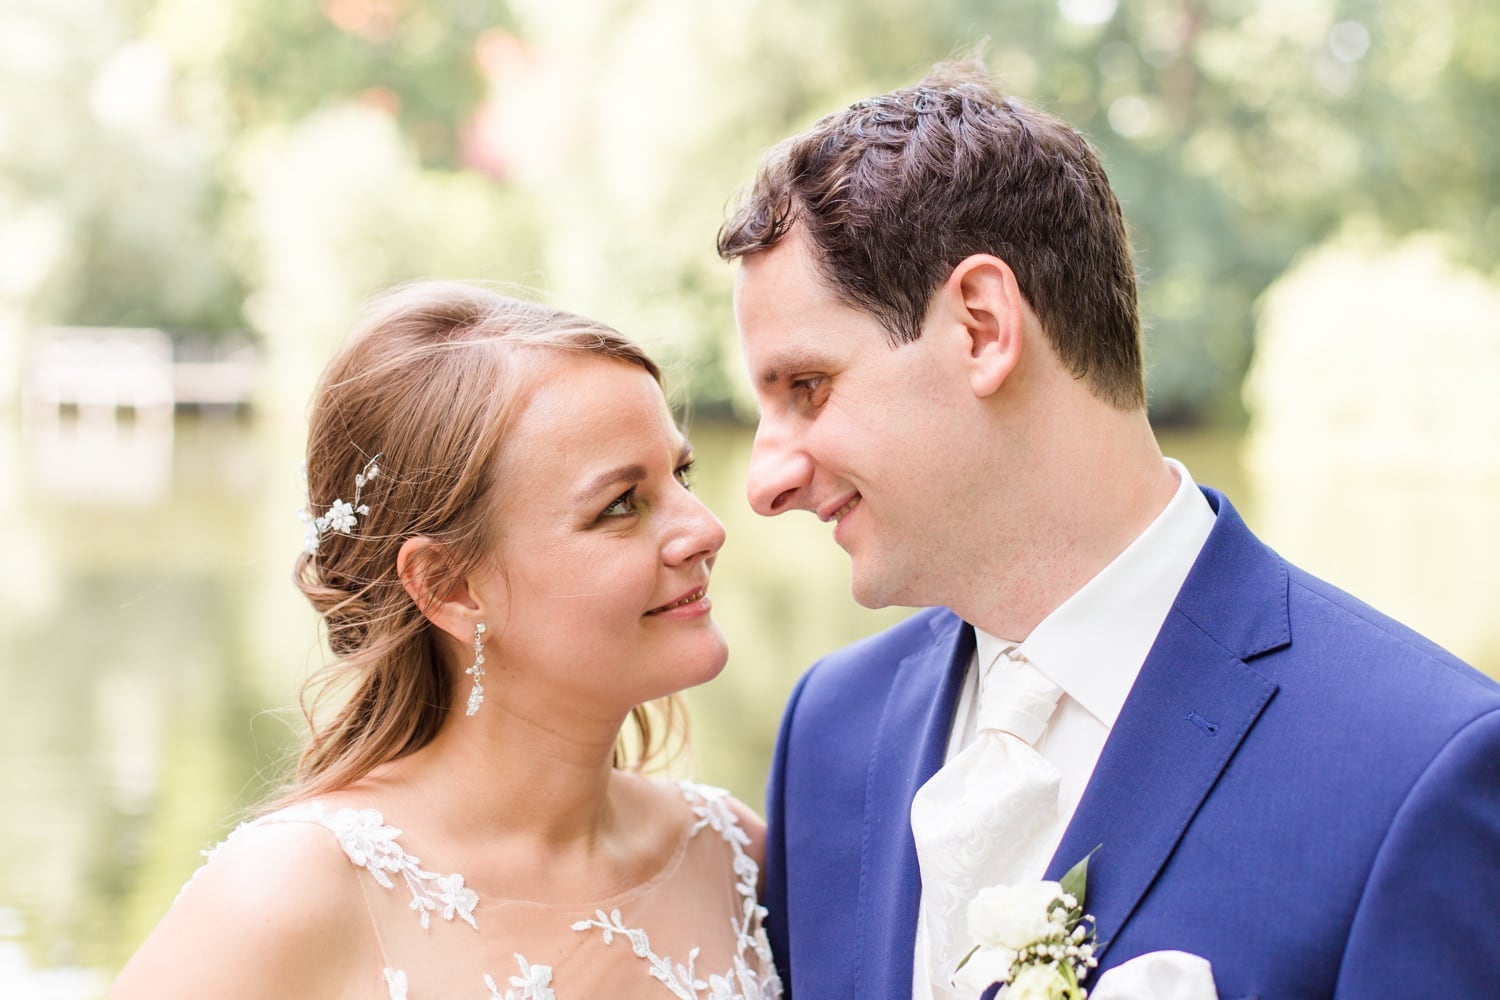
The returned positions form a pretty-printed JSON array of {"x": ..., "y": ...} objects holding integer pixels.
[
  {"x": 684, "y": 474},
  {"x": 622, "y": 505}
]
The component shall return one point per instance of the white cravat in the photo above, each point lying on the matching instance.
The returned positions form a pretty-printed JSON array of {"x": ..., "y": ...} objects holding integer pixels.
[{"x": 988, "y": 816}]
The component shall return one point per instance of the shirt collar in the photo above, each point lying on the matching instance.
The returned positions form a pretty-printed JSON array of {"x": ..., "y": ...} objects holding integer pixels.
[{"x": 1093, "y": 644}]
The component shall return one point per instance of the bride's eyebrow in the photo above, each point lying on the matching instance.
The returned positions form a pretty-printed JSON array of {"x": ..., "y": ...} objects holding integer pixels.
[{"x": 633, "y": 473}]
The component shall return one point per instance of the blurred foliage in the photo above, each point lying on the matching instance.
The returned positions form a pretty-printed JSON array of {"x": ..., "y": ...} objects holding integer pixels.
[
  {"x": 268, "y": 163},
  {"x": 285, "y": 59}
]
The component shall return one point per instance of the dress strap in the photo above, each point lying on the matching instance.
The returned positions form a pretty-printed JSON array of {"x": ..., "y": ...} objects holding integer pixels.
[{"x": 395, "y": 979}]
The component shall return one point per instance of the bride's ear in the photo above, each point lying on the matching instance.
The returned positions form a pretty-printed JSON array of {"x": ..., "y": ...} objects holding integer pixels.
[{"x": 446, "y": 600}]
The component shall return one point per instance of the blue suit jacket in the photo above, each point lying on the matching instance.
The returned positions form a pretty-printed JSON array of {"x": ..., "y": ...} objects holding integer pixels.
[{"x": 1298, "y": 789}]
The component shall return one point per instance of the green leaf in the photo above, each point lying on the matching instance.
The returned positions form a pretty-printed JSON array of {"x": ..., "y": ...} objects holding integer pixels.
[
  {"x": 967, "y": 957},
  {"x": 1075, "y": 882}
]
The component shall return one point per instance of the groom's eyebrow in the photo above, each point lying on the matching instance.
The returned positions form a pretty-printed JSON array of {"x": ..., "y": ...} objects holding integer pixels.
[{"x": 792, "y": 361}]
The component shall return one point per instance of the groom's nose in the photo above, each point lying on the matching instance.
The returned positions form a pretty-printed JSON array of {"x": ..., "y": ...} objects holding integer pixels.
[{"x": 780, "y": 471}]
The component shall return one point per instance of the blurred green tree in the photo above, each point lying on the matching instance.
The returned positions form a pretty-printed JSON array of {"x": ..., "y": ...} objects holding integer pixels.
[{"x": 588, "y": 153}]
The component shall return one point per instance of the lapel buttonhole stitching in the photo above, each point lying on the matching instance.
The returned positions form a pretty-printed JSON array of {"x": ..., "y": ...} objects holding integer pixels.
[{"x": 1209, "y": 728}]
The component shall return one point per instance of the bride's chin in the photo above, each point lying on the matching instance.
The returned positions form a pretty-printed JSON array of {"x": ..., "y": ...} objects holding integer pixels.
[{"x": 704, "y": 663}]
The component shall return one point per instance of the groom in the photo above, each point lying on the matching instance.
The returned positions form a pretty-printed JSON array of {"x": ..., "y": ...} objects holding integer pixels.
[{"x": 938, "y": 308}]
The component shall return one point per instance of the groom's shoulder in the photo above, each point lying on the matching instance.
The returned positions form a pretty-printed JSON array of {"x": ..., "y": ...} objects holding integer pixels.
[
  {"x": 1330, "y": 641},
  {"x": 1345, "y": 630}
]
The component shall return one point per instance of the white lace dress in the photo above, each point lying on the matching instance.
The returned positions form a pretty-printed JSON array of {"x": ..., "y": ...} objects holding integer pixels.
[{"x": 691, "y": 931}]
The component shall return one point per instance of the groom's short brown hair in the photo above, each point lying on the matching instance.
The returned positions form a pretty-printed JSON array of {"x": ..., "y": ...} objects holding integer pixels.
[{"x": 896, "y": 190}]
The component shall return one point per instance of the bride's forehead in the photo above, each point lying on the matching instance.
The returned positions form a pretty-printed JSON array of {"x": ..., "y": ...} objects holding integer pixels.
[
  {"x": 578, "y": 389},
  {"x": 585, "y": 404}
]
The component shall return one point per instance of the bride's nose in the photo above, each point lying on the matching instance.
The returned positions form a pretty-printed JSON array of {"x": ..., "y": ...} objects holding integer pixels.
[{"x": 695, "y": 532}]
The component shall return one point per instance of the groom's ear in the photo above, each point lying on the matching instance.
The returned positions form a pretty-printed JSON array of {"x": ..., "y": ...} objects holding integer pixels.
[{"x": 982, "y": 305}]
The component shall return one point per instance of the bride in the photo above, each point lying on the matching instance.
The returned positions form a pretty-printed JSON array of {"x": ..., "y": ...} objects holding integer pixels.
[{"x": 510, "y": 566}]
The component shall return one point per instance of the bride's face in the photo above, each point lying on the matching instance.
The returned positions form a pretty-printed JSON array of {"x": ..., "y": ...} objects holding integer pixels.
[{"x": 603, "y": 552}]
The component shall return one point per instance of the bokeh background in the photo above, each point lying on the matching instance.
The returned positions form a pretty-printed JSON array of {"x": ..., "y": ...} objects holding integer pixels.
[{"x": 194, "y": 198}]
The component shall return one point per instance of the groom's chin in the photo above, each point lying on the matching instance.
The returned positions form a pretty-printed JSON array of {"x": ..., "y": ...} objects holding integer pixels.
[{"x": 875, "y": 591}]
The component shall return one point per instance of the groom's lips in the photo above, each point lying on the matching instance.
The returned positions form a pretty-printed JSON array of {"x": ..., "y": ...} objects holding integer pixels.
[
  {"x": 838, "y": 511},
  {"x": 835, "y": 510}
]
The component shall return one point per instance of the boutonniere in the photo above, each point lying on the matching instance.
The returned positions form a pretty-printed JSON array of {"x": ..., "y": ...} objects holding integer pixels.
[{"x": 1034, "y": 939}]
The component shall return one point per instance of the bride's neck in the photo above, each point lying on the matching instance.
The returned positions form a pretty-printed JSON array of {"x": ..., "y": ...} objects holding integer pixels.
[
  {"x": 533, "y": 810},
  {"x": 512, "y": 772}
]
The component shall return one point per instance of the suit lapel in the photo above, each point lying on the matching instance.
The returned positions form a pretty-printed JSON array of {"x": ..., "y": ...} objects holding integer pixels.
[
  {"x": 910, "y": 744},
  {"x": 1188, "y": 712}
]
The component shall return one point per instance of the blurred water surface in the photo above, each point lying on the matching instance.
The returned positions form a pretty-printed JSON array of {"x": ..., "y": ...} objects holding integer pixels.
[{"x": 151, "y": 643}]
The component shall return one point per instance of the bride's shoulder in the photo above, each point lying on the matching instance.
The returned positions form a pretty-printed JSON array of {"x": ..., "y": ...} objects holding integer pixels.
[
  {"x": 297, "y": 846},
  {"x": 290, "y": 869},
  {"x": 273, "y": 902}
]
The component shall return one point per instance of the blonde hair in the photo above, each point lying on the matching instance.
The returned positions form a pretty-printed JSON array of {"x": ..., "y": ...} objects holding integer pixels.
[{"x": 430, "y": 379}]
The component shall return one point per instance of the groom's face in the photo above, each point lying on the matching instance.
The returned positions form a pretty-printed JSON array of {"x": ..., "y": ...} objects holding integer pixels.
[{"x": 864, "y": 436}]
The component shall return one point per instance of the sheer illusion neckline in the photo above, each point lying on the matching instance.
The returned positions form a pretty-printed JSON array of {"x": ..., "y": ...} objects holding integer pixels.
[
  {"x": 630, "y": 919},
  {"x": 662, "y": 873}
]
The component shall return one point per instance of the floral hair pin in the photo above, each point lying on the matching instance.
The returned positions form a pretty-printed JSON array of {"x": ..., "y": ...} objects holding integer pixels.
[{"x": 340, "y": 516}]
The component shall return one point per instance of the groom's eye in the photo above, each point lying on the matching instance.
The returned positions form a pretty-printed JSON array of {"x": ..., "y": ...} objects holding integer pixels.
[{"x": 808, "y": 387}]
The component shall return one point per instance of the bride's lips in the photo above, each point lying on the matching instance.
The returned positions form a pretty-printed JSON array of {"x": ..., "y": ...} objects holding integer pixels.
[{"x": 691, "y": 604}]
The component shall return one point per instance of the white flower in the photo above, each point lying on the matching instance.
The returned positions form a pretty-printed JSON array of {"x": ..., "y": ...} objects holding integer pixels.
[
  {"x": 1013, "y": 916},
  {"x": 340, "y": 517},
  {"x": 534, "y": 982},
  {"x": 715, "y": 812},
  {"x": 1041, "y": 982},
  {"x": 310, "y": 532},
  {"x": 987, "y": 966},
  {"x": 746, "y": 869},
  {"x": 457, "y": 899},
  {"x": 369, "y": 842}
]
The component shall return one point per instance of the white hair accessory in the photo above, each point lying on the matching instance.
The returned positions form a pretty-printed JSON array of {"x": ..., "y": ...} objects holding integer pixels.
[{"x": 340, "y": 516}]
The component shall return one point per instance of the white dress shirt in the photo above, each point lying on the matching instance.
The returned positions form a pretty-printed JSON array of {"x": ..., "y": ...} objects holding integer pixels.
[{"x": 1092, "y": 646}]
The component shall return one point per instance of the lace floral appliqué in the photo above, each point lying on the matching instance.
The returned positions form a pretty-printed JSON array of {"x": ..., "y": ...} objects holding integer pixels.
[
  {"x": 371, "y": 845},
  {"x": 534, "y": 983},
  {"x": 740, "y": 982}
]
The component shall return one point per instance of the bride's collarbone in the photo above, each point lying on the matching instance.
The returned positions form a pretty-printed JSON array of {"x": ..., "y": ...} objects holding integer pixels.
[{"x": 509, "y": 857}]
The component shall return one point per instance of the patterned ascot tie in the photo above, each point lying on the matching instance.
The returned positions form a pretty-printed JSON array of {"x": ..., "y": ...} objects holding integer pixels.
[{"x": 989, "y": 815}]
